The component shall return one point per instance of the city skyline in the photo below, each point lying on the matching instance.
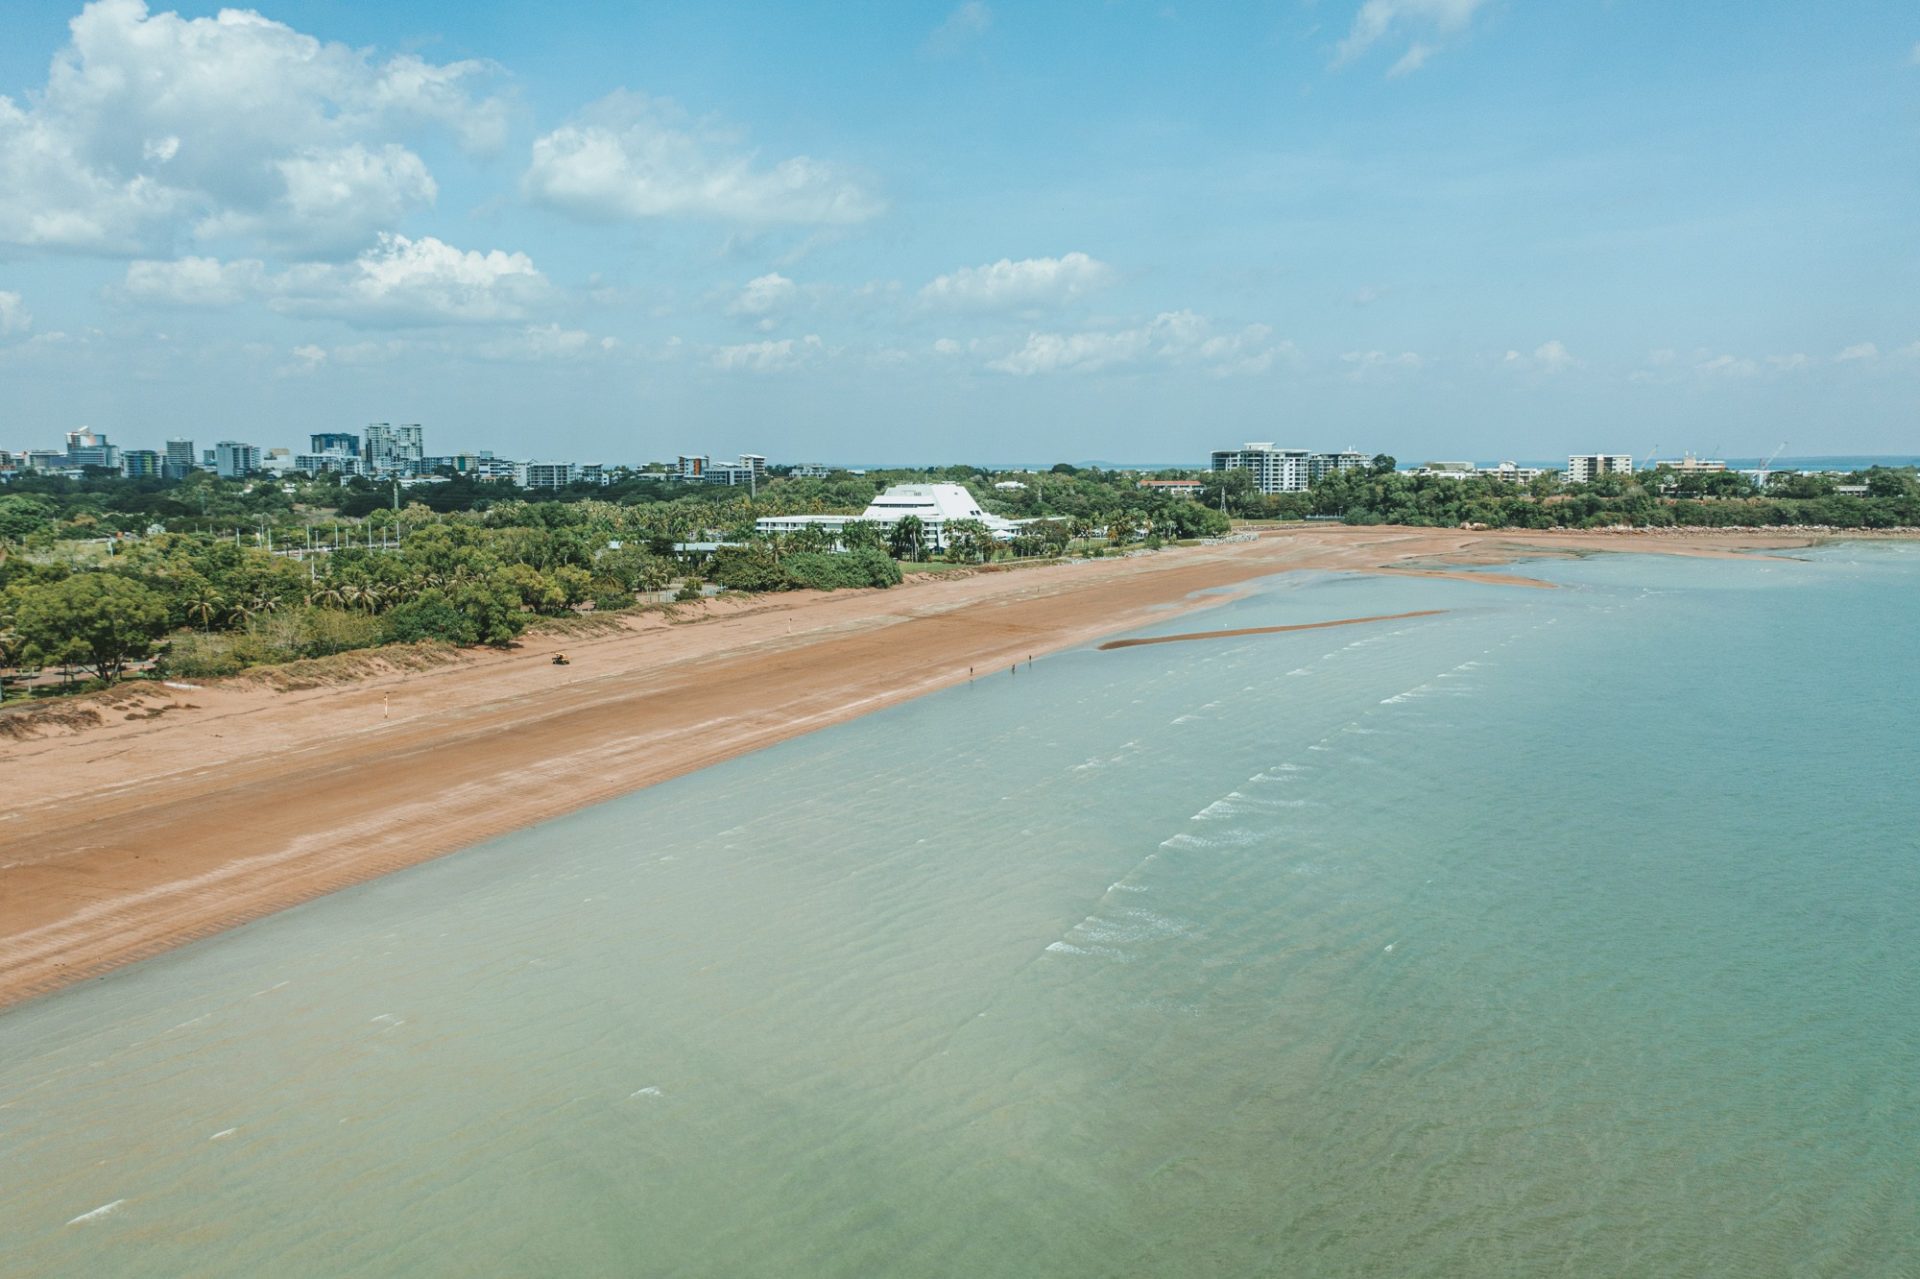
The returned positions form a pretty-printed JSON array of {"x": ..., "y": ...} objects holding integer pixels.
[{"x": 1426, "y": 227}]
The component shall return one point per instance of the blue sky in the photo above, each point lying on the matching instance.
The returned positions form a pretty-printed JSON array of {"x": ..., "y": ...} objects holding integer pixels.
[{"x": 984, "y": 232}]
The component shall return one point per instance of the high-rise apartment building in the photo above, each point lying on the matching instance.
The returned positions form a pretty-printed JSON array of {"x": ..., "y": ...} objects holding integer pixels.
[
  {"x": 141, "y": 464},
  {"x": 393, "y": 450},
  {"x": 335, "y": 442},
  {"x": 1273, "y": 470},
  {"x": 233, "y": 460},
  {"x": 179, "y": 462},
  {"x": 1321, "y": 465},
  {"x": 1582, "y": 468},
  {"x": 544, "y": 475},
  {"x": 87, "y": 447}
]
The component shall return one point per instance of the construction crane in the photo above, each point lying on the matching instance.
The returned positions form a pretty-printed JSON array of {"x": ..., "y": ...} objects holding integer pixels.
[{"x": 1767, "y": 465}]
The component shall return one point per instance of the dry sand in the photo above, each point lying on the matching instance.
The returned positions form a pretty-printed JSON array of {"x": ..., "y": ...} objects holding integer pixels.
[{"x": 150, "y": 830}]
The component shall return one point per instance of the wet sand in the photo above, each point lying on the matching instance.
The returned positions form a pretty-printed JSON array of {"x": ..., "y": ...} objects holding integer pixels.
[{"x": 149, "y": 831}]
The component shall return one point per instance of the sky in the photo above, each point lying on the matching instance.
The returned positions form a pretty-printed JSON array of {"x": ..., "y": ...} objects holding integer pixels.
[{"x": 991, "y": 232}]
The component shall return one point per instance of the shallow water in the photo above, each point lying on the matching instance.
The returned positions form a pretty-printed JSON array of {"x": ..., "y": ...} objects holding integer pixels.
[{"x": 1568, "y": 932}]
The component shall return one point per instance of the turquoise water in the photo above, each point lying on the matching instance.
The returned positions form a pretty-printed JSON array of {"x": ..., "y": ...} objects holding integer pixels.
[{"x": 1571, "y": 932}]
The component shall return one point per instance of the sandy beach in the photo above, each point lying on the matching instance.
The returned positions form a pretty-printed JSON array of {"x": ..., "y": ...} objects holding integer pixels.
[{"x": 192, "y": 810}]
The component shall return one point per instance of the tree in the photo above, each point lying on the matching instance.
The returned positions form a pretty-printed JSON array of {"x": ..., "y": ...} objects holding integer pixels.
[
  {"x": 100, "y": 620},
  {"x": 908, "y": 538},
  {"x": 1231, "y": 488},
  {"x": 1384, "y": 464},
  {"x": 968, "y": 541}
]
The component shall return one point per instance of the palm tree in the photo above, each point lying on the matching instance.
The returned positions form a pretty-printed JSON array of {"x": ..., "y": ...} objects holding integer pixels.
[
  {"x": 908, "y": 538},
  {"x": 203, "y": 606},
  {"x": 239, "y": 613}
]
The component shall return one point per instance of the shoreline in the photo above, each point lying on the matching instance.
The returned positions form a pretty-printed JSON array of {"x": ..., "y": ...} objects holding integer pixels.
[{"x": 135, "y": 836}]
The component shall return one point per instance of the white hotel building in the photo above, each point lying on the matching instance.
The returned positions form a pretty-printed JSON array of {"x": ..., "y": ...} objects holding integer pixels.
[
  {"x": 936, "y": 506},
  {"x": 1273, "y": 470},
  {"x": 1583, "y": 468}
]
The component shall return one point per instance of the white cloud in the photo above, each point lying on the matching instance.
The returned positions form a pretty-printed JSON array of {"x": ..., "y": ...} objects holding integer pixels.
[
  {"x": 153, "y": 127},
  {"x": 398, "y": 282},
  {"x": 194, "y": 281},
  {"x": 1174, "y": 336},
  {"x": 544, "y": 342},
  {"x": 1412, "y": 60},
  {"x": 1367, "y": 363},
  {"x": 1080, "y": 352},
  {"x": 13, "y": 315},
  {"x": 326, "y": 190},
  {"x": 769, "y": 357},
  {"x": 1788, "y": 363},
  {"x": 1376, "y": 20},
  {"x": 1030, "y": 282},
  {"x": 763, "y": 299},
  {"x": 946, "y": 346},
  {"x": 1368, "y": 295},
  {"x": 1858, "y": 351},
  {"x": 961, "y": 26},
  {"x": 1549, "y": 357},
  {"x": 629, "y": 157},
  {"x": 1727, "y": 366}
]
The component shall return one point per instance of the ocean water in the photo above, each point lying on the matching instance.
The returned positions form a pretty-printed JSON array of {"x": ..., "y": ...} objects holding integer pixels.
[{"x": 1569, "y": 932}]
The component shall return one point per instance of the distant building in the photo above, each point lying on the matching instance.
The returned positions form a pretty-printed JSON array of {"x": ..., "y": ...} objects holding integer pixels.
[
  {"x": 393, "y": 450},
  {"x": 1321, "y": 465},
  {"x": 86, "y": 447},
  {"x": 543, "y": 475},
  {"x": 1583, "y": 468},
  {"x": 179, "y": 462},
  {"x": 1514, "y": 473},
  {"x": 334, "y": 442},
  {"x": 809, "y": 471},
  {"x": 336, "y": 461},
  {"x": 1691, "y": 464},
  {"x": 1446, "y": 470},
  {"x": 1273, "y": 470},
  {"x": 1173, "y": 488},
  {"x": 276, "y": 462},
  {"x": 936, "y": 506},
  {"x": 1010, "y": 486},
  {"x": 45, "y": 459},
  {"x": 698, "y": 468},
  {"x": 142, "y": 464},
  {"x": 233, "y": 460}
]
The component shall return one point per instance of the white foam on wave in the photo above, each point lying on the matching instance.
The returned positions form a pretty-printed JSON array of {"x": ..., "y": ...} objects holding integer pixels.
[
  {"x": 102, "y": 1211},
  {"x": 649, "y": 1091},
  {"x": 223, "y": 1134}
]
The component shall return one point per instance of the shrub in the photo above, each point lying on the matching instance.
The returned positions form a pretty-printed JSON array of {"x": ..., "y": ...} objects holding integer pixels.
[
  {"x": 192, "y": 655},
  {"x": 747, "y": 568},
  {"x": 430, "y": 616},
  {"x": 823, "y": 572}
]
